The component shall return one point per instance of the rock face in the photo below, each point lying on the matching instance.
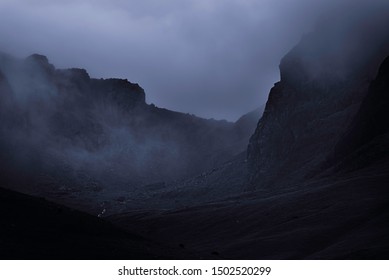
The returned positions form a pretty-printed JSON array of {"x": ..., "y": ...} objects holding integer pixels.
[
  {"x": 342, "y": 215},
  {"x": 372, "y": 119},
  {"x": 323, "y": 82},
  {"x": 247, "y": 123},
  {"x": 318, "y": 162},
  {"x": 366, "y": 141},
  {"x": 77, "y": 132},
  {"x": 5, "y": 97}
]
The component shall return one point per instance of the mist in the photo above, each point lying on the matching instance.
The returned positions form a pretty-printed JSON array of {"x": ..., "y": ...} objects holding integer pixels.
[
  {"x": 64, "y": 135},
  {"x": 215, "y": 59},
  {"x": 131, "y": 112},
  {"x": 198, "y": 57}
]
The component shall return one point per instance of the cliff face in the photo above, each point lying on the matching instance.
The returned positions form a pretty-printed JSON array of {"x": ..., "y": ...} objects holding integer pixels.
[
  {"x": 323, "y": 81},
  {"x": 73, "y": 132},
  {"x": 372, "y": 119},
  {"x": 366, "y": 141},
  {"x": 342, "y": 215},
  {"x": 6, "y": 96}
]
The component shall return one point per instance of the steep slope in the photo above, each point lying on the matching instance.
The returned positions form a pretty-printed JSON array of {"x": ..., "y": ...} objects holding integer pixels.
[
  {"x": 72, "y": 136},
  {"x": 246, "y": 124},
  {"x": 366, "y": 141},
  {"x": 318, "y": 162},
  {"x": 218, "y": 183},
  {"x": 323, "y": 82},
  {"x": 342, "y": 215}
]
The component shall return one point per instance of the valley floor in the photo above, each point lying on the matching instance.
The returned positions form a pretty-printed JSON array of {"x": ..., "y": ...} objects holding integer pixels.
[{"x": 343, "y": 217}]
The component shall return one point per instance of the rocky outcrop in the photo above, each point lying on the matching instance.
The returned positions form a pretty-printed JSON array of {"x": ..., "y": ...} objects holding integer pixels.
[
  {"x": 323, "y": 82},
  {"x": 39, "y": 61},
  {"x": 79, "y": 131},
  {"x": 342, "y": 215}
]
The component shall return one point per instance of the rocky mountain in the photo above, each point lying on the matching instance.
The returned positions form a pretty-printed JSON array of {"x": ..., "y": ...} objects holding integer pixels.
[
  {"x": 312, "y": 185},
  {"x": 323, "y": 82},
  {"x": 70, "y": 133},
  {"x": 318, "y": 162},
  {"x": 341, "y": 213}
]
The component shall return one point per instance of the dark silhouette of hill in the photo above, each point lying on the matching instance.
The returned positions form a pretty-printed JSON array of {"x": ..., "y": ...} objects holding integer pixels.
[{"x": 33, "y": 228}]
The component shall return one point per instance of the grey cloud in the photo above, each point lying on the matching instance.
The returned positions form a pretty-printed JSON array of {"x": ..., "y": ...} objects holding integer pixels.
[{"x": 212, "y": 58}]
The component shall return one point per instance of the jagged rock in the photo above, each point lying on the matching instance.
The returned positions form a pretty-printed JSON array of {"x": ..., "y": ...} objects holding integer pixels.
[
  {"x": 123, "y": 92},
  {"x": 41, "y": 61},
  {"x": 74, "y": 124},
  {"x": 322, "y": 85}
]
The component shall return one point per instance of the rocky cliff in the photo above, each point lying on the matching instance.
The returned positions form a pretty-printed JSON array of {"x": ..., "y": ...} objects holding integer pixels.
[
  {"x": 341, "y": 214},
  {"x": 68, "y": 132},
  {"x": 366, "y": 141},
  {"x": 323, "y": 82}
]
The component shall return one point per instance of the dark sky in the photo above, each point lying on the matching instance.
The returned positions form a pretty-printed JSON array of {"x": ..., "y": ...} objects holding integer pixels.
[{"x": 213, "y": 58}]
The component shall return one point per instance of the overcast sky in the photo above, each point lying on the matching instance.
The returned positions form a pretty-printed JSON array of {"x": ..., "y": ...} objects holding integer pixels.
[{"x": 213, "y": 58}]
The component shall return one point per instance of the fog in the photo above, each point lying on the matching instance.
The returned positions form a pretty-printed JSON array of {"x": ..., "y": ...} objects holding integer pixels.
[
  {"x": 212, "y": 58},
  {"x": 65, "y": 131}
]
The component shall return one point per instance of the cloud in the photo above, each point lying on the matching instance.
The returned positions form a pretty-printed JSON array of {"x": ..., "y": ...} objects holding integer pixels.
[{"x": 213, "y": 58}]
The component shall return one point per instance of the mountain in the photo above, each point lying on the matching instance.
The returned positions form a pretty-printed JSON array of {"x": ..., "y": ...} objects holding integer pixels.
[
  {"x": 311, "y": 185},
  {"x": 317, "y": 164},
  {"x": 320, "y": 91},
  {"x": 341, "y": 214},
  {"x": 78, "y": 137}
]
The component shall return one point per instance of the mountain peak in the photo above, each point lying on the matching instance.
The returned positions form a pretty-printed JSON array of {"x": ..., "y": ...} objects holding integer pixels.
[
  {"x": 38, "y": 58},
  {"x": 41, "y": 61}
]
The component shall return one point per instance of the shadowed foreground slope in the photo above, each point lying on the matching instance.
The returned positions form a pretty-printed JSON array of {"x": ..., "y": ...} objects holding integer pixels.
[{"x": 33, "y": 228}]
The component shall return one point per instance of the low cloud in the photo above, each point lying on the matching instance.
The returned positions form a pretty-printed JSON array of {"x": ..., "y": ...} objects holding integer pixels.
[{"x": 212, "y": 58}]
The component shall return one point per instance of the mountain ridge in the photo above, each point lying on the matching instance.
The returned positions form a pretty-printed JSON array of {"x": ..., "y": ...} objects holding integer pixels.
[{"x": 85, "y": 136}]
